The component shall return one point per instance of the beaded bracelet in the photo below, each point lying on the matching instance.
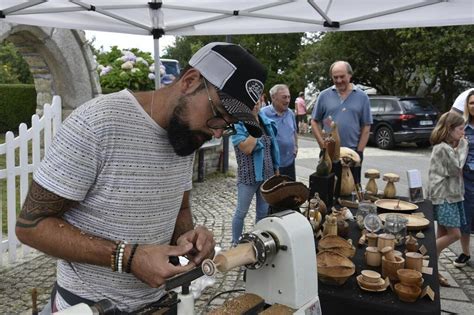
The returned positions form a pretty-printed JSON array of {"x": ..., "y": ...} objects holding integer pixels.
[
  {"x": 121, "y": 249},
  {"x": 112, "y": 257},
  {"x": 128, "y": 269},
  {"x": 117, "y": 251}
]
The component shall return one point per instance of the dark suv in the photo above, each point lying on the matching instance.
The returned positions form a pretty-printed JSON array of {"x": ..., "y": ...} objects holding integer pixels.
[{"x": 401, "y": 119}]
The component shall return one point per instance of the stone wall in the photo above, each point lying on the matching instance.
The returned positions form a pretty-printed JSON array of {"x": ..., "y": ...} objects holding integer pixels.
[
  {"x": 60, "y": 61},
  {"x": 211, "y": 161}
]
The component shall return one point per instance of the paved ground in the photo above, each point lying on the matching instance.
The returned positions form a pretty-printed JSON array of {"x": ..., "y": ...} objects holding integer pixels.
[{"x": 213, "y": 203}]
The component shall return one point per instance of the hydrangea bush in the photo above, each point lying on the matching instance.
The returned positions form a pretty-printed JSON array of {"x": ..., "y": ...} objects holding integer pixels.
[{"x": 132, "y": 69}]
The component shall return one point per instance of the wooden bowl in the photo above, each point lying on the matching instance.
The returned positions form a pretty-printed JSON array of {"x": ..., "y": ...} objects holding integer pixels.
[
  {"x": 377, "y": 286},
  {"x": 407, "y": 293},
  {"x": 371, "y": 276},
  {"x": 389, "y": 268},
  {"x": 336, "y": 244},
  {"x": 409, "y": 276},
  {"x": 334, "y": 268},
  {"x": 283, "y": 192}
]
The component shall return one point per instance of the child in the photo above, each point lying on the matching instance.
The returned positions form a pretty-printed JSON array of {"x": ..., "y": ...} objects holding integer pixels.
[
  {"x": 446, "y": 187},
  {"x": 468, "y": 174}
]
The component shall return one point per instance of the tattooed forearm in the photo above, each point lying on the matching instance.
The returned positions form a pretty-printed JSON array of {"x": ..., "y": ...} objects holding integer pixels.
[{"x": 41, "y": 204}]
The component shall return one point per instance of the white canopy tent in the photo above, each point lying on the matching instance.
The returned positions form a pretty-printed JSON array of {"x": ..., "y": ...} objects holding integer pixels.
[{"x": 219, "y": 17}]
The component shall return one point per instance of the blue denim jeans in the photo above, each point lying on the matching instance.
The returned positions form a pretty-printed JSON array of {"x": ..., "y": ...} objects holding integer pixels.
[
  {"x": 245, "y": 195},
  {"x": 468, "y": 201}
]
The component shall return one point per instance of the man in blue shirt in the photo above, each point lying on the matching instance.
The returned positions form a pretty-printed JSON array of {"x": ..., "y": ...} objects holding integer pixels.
[
  {"x": 287, "y": 135},
  {"x": 349, "y": 107}
]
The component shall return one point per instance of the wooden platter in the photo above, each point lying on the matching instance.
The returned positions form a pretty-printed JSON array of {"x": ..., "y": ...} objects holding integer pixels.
[
  {"x": 392, "y": 204},
  {"x": 414, "y": 222}
]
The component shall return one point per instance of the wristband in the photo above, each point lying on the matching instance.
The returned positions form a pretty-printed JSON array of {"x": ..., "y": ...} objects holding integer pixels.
[{"x": 128, "y": 268}]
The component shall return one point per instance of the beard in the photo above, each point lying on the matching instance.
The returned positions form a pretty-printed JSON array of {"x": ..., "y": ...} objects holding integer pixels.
[{"x": 184, "y": 140}]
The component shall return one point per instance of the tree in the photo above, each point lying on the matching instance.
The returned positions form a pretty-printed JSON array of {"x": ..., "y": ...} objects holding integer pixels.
[
  {"x": 430, "y": 62},
  {"x": 275, "y": 51},
  {"x": 13, "y": 68}
]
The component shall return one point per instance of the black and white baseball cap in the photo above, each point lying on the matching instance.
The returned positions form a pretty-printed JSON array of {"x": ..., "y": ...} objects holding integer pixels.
[{"x": 238, "y": 76}]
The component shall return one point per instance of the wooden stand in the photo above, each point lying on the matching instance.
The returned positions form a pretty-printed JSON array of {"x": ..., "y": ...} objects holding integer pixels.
[
  {"x": 337, "y": 170},
  {"x": 324, "y": 185}
]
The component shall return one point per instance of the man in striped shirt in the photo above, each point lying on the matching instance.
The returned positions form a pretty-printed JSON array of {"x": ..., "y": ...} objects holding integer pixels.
[{"x": 110, "y": 199}]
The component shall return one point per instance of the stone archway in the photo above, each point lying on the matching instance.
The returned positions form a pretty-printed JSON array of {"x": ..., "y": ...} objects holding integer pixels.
[{"x": 60, "y": 61}]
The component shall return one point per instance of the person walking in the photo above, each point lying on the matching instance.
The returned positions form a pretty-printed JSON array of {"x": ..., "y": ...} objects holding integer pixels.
[
  {"x": 301, "y": 116},
  {"x": 468, "y": 175},
  {"x": 111, "y": 198},
  {"x": 257, "y": 160},
  {"x": 349, "y": 107},
  {"x": 287, "y": 135},
  {"x": 445, "y": 187}
]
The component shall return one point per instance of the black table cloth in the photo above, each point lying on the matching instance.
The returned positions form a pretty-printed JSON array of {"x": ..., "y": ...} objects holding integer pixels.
[{"x": 351, "y": 299}]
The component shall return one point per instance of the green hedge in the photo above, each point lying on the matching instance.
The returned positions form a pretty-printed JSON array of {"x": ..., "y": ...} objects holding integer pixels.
[
  {"x": 106, "y": 90},
  {"x": 17, "y": 105}
]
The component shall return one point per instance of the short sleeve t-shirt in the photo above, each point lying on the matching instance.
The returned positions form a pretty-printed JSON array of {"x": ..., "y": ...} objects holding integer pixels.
[
  {"x": 286, "y": 126},
  {"x": 350, "y": 114},
  {"x": 300, "y": 106},
  {"x": 117, "y": 163}
]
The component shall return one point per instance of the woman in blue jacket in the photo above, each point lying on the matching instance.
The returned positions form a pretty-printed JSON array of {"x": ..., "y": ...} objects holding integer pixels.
[{"x": 257, "y": 160}]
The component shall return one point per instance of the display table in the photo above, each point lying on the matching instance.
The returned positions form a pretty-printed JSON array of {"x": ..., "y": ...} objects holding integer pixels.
[{"x": 351, "y": 299}]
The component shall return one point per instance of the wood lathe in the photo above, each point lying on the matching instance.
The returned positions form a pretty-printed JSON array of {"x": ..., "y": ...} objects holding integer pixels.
[{"x": 280, "y": 258}]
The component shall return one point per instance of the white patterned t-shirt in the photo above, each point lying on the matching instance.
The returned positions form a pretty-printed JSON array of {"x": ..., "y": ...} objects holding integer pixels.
[{"x": 112, "y": 158}]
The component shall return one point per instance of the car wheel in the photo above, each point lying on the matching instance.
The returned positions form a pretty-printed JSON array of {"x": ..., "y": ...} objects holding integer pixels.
[
  {"x": 384, "y": 138},
  {"x": 423, "y": 144}
]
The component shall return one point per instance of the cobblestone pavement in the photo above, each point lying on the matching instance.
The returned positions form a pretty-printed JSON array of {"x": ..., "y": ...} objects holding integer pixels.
[{"x": 213, "y": 203}]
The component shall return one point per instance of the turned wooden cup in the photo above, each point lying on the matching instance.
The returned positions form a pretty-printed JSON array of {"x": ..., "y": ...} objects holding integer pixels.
[
  {"x": 385, "y": 240},
  {"x": 389, "y": 268},
  {"x": 371, "y": 239},
  {"x": 388, "y": 253},
  {"x": 414, "y": 261},
  {"x": 373, "y": 257}
]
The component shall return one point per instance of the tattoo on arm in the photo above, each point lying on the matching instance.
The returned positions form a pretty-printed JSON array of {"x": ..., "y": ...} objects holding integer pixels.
[{"x": 41, "y": 204}]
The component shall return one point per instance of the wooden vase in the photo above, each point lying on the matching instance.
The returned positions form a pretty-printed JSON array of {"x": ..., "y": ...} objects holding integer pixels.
[
  {"x": 347, "y": 181},
  {"x": 325, "y": 164},
  {"x": 372, "y": 186},
  {"x": 390, "y": 191},
  {"x": 337, "y": 141}
]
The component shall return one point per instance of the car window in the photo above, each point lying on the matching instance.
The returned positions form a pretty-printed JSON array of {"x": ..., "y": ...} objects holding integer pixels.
[
  {"x": 391, "y": 106},
  {"x": 374, "y": 106},
  {"x": 172, "y": 67},
  {"x": 416, "y": 105}
]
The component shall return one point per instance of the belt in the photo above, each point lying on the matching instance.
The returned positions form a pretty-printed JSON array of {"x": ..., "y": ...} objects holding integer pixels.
[{"x": 168, "y": 303}]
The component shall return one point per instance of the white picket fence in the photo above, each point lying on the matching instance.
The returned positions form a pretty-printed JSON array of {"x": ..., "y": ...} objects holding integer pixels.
[{"x": 37, "y": 139}]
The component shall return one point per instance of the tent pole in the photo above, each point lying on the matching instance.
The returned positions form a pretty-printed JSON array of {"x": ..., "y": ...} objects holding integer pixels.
[
  {"x": 156, "y": 57},
  {"x": 225, "y": 141}
]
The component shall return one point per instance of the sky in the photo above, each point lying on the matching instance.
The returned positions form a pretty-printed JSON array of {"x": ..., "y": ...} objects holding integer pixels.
[{"x": 124, "y": 41}]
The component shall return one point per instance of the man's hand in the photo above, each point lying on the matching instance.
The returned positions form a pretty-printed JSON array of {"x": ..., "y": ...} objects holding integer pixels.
[
  {"x": 202, "y": 241},
  {"x": 152, "y": 266}
]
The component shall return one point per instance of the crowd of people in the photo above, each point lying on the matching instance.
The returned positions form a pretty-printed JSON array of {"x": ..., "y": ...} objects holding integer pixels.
[{"x": 115, "y": 211}]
